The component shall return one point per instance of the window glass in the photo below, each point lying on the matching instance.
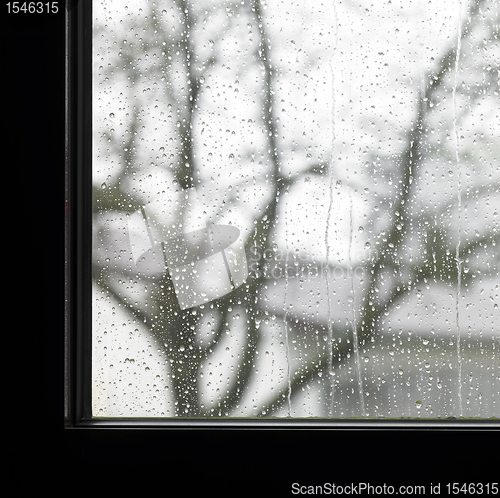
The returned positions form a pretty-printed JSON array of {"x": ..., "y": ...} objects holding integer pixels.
[{"x": 295, "y": 208}]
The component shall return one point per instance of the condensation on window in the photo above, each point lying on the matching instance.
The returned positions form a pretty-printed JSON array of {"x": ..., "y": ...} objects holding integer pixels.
[{"x": 295, "y": 208}]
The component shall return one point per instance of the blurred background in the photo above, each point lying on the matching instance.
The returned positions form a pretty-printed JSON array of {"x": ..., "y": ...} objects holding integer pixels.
[{"x": 355, "y": 148}]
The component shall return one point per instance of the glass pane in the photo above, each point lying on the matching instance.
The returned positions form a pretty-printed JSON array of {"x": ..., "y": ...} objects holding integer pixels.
[{"x": 296, "y": 208}]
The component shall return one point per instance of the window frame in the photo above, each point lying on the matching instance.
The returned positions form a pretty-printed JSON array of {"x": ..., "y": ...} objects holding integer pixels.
[
  {"x": 78, "y": 219},
  {"x": 78, "y": 271}
]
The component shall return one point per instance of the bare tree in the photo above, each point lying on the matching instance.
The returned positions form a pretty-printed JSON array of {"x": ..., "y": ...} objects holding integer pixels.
[{"x": 165, "y": 63}]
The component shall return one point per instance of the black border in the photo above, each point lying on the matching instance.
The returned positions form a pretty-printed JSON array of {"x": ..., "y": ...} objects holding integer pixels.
[{"x": 48, "y": 455}]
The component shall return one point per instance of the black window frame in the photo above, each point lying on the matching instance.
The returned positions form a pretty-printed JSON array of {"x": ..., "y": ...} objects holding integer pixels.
[{"x": 78, "y": 271}]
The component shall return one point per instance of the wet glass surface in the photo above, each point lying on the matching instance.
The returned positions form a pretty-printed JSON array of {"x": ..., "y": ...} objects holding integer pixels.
[{"x": 295, "y": 209}]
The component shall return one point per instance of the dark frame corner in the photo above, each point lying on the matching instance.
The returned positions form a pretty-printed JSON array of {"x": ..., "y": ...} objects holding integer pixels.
[{"x": 78, "y": 268}]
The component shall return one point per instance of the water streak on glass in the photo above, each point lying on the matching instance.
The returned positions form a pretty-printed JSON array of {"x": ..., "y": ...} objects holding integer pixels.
[{"x": 296, "y": 209}]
